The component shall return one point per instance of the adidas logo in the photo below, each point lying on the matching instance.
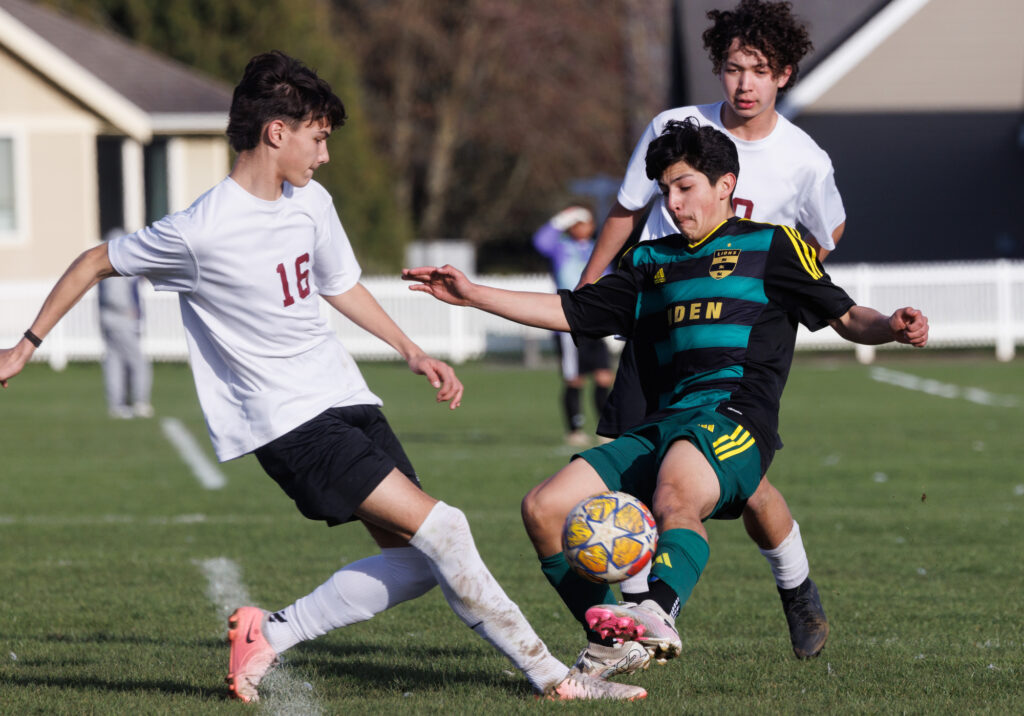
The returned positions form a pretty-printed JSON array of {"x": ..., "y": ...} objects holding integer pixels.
[
  {"x": 660, "y": 276},
  {"x": 663, "y": 559},
  {"x": 709, "y": 428}
]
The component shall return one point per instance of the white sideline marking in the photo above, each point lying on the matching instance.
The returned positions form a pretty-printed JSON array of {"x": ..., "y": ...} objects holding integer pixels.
[
  {"x": 942, "y": 390},
  {"x": 205, "y": 471},
  {"x": 281, "y": 693},
  {"x": 94, "y": 521}
]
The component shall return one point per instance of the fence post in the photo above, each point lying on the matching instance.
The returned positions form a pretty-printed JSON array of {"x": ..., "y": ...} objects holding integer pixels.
[
  {"x": 458, "y": 341},
  {"x": 865, "y": 354},
  {"x": 58, "y": 358},
  {"x": 1004, "y": 312}
]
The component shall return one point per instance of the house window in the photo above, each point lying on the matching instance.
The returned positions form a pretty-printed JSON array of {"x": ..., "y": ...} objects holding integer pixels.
[{"x": 8, "y": 206}]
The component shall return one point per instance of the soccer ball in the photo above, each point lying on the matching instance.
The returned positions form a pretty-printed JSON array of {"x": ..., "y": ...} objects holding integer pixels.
[{"x": 609, "y": 537}]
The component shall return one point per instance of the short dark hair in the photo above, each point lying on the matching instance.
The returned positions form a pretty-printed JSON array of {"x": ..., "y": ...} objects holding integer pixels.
[
  {"x": 276, "y": 86},
  {"x": 704, "y": 148},
  {"x": 768, "y": 27}
]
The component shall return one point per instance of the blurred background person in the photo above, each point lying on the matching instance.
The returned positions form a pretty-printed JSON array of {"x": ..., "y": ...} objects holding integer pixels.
[
  {"x": 127, "y": 374},
  {"x": 566, "y": 240}
]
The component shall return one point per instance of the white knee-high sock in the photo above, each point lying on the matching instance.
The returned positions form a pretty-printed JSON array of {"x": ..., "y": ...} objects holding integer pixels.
[
  {"x": 637, "y": 584},
  {"x": 477, "y": 598},
  {"x": 789, "y": 560},
  {"x": 353, "y": 594}
]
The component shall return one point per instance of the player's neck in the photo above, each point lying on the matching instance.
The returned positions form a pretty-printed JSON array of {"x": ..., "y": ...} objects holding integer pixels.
[
  {"x": 749, "y": 129},
  {"x": 257, "y": 176}
]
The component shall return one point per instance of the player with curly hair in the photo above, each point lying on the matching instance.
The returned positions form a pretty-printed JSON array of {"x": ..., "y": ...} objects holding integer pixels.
[
  {"x": 713, "y": 310},
  {"x": 755, "y": 49}
]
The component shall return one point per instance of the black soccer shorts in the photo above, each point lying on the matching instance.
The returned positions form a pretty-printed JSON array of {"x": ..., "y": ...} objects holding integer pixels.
[{"x": 330, "y": 464}]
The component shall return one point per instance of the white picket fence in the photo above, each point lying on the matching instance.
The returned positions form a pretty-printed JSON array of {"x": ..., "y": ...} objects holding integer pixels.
[{"x": 969, "y": 304}]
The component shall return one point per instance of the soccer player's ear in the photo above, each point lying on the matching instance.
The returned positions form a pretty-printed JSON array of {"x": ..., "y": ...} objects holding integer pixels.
[
  {"x": 273, "y": 133},
  {"x": 726, "y": 183},
  {"x": 783, "y": 77}
]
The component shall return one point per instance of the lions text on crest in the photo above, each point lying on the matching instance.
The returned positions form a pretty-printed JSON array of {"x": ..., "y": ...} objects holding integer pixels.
[{"x": 723, "y": 262}]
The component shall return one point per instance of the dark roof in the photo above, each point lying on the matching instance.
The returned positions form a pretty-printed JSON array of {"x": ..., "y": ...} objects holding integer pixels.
[{"x": 153, "y": 83}]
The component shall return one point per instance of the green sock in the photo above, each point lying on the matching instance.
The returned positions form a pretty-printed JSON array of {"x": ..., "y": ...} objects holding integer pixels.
[
  {"x": 578, "y": 593},
  {"x": 682, "y": 556}
]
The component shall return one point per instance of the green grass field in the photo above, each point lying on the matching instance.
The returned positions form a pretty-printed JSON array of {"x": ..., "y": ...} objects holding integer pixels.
[{"x": 911, "y": 506}]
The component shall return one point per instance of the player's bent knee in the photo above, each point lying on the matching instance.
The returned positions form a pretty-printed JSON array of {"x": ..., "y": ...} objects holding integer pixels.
[{"x": 541, "y": 515}]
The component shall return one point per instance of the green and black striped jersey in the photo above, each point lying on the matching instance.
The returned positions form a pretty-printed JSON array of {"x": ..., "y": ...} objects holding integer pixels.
[{"x": 715, "y": 321}]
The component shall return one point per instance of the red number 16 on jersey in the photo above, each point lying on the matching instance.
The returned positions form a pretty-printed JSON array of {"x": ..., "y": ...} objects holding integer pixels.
[{"x": 301, "y": 279}]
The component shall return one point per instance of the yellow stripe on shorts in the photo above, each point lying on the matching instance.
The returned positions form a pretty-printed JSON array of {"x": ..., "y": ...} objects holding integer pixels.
[{"x": 728, "y": 445}]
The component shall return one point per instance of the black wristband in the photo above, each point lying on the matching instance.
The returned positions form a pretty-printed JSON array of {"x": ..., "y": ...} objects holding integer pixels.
[{"x": 33, "y": 338}]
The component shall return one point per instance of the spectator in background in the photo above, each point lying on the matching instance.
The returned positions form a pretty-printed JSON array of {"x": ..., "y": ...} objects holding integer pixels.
[
  {"x": 567, "y": 240},
  {"x": 127, "y": 374}
]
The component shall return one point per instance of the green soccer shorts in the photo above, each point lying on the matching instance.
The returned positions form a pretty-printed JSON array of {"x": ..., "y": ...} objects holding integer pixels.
[{"x": 630, "y": 462}]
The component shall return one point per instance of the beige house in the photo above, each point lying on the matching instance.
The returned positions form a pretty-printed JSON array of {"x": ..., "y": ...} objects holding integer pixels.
[
  {"x": 921, "y": 108},
  {"x": 95, "y": 133}
]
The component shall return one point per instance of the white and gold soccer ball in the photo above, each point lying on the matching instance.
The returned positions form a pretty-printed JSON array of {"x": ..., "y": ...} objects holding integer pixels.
[{"x": 609, "y": 537}]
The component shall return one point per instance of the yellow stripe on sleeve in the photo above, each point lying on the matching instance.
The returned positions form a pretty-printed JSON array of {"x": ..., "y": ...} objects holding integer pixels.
[{"x": 804, "y": 252}]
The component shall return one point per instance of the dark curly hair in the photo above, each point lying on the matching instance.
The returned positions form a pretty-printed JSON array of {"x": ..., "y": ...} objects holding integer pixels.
[
  {"x": 276, "y": 86},
  {"x": 769, "y": 27},
  {"x": 704, "y": 148}
]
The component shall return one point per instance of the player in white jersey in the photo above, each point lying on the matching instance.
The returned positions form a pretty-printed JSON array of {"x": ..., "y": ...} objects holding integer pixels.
[
  {"x": 785, "y": 178},
  {"x": 249, "y": 260}
]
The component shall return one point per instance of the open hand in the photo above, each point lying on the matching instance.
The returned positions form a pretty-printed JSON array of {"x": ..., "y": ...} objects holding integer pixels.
[{"x": 446, "y": 283}]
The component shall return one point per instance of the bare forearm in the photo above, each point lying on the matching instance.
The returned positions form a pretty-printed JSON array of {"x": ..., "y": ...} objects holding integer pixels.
[
  {"x": 359, "y": 306},
  {"x": 616, "y": 230},
  {"x": 86, "y": 271},
  {"x": 866, "y": 326},
  {"x": 541, "y": 310}
]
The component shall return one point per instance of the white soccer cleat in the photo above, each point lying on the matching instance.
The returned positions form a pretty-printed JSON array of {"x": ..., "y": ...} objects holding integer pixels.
[
  {"x": 646, "y": 623},
  {"x": 605, "y": 662},
  {"x": 583, "y": 687}
]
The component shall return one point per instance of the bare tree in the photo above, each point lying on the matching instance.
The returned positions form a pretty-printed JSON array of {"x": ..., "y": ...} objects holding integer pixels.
[{"x": 488, "y": 109}]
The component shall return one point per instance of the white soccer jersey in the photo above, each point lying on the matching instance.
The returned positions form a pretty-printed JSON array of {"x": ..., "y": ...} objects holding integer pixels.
[
  {"x": 248, "y": 273},
  {"x": 784, "y": 178}
]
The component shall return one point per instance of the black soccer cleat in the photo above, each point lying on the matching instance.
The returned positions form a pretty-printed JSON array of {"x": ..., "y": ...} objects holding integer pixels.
[{"x": 808, "y": 625}]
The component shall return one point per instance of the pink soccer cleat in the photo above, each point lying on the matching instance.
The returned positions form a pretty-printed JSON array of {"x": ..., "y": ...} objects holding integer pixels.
[{"x": 251, "y": 655}]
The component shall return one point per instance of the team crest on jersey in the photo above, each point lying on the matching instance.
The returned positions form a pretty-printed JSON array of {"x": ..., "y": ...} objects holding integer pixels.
[
  {"x": 723, "y": 262},
  {"x": 660, "y": 276}
]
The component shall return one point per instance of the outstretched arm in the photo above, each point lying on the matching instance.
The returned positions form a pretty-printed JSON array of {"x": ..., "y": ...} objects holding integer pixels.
[
  {"x": 866, "y": 325},
  {"x": 86, "y": 271},
  {"x": 448, "y": 284},
  {"x": 359, "y": 306},
  {"x": 616, "y": 230}
]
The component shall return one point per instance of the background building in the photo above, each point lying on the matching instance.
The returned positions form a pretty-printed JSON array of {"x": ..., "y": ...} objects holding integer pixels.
[{"x": 95, "y": 133}]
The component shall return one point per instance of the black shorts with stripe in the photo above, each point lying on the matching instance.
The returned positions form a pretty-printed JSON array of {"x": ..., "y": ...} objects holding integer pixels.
[{"x": 330, "y": 464}]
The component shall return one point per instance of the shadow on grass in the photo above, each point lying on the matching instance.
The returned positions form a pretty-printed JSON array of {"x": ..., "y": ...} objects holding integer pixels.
[
  {"x": 126, "y": 686},
  {"x": 373, "y": 666},
  {"x": 103, "y": 637}
]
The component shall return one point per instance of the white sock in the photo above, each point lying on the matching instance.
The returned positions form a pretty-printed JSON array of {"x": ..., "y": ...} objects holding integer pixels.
[
  {"x": 477, "y": 598},
  {"x": 789, "y": 560},
  {"x": 353, "y": 594},
  {"x": 637, "y": 584}
]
